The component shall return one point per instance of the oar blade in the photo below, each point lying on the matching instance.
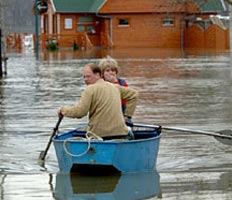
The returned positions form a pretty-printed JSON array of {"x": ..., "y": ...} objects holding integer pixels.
[
  {"x": 225, "y": 140},
  {"x": 41, "y": 159},
  {"x": 42, "y": 156}
]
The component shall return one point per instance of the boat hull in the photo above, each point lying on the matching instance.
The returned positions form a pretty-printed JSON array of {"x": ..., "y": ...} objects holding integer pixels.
[{"x": 125, "y": 156}]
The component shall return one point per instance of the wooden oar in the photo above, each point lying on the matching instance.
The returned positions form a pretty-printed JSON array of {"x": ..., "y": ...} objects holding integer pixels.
[
  {"x": 44, "y": 153},
  {"x": 225, "y": 140},
  {"x": 224, "y": 136}
]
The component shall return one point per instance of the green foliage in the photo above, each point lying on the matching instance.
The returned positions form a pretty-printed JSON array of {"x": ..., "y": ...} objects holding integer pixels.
[{"x": 52, "y": 46}]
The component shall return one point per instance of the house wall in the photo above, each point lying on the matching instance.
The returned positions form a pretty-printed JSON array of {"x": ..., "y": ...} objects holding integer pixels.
[
  {"x": 146, "y": 30},
  {"x": 66, "y": 36},
  {"x": 145, "y": 27},
  {"x": 213, "y": 38},
  {"x": 62, "y": 24}
]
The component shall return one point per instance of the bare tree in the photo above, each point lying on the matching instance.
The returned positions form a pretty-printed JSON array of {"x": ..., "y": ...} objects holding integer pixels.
[
  {"x": 229, "y": 1},
  {"x": 182, "y": 2}
]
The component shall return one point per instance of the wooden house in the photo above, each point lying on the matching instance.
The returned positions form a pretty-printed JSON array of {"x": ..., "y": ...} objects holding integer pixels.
[{"x": 133, "y": 23}]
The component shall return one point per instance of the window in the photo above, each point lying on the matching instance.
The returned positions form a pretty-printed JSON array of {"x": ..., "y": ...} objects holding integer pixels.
[
  {"x": 81, "y": 28},
  {"x": 123, "y": 22},
  {"x": 168, "y": 22},
  {"x": 85, "y": 24},
  {"x": 68, "y": 23}
]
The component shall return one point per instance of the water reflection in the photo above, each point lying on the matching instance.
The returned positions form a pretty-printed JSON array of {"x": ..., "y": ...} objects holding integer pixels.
[
  {"x": 172, "y": 186},
  {"x": 197, "y": 185},
  {"x": 193, "y": 91},
  {"x": 130, "y": 186},
  {"x": 29, "y": 186},
  {"x": 132, "y": 53}
]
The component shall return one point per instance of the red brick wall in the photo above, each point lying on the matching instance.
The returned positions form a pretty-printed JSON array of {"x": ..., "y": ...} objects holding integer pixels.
[
  {"x": 214, "y": 37},
  {"x": 68, "y": 41},
  {"x": 227, "y": 33},
  {"x": 74, "y": 24},
  {"x": 146, "y": 27},
  {"x": 146, "y": 30}
]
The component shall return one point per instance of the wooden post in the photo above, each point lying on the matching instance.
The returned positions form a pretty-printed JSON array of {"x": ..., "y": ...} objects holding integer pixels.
[
  {"x": 0, "y": 52},
  {"x": 36, "y": 30},
  {"x": 5, "y": 64}
]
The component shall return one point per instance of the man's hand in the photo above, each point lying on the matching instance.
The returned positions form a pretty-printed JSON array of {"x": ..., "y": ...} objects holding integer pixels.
[
  {"x": 128, "y": 121},
  {"x": 60, "y": 115}
]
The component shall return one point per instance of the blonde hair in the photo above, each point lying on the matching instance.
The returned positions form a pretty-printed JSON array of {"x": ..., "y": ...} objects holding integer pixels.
[{"x": 108, "y": 62}]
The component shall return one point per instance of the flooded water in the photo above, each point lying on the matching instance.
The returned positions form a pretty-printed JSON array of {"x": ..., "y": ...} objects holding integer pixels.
[{"x": 191, "y": 90}]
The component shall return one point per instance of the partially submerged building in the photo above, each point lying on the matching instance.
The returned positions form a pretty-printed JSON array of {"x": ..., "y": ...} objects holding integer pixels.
[{"x": 134, "y": 23}]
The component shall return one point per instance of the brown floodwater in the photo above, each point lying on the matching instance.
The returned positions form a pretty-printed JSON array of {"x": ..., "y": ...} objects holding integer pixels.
[{"x": 191, "y": 89}]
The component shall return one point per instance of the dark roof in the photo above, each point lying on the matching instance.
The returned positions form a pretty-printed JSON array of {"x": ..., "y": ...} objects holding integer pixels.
[
  {"x": 93, "y": 6},
  {"x": 77, "y": 6},
  {"x": 212, "y": 6}
]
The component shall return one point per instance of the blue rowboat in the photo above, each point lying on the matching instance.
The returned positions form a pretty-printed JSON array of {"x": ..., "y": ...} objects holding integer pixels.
[{"x": 75, "y": 150}]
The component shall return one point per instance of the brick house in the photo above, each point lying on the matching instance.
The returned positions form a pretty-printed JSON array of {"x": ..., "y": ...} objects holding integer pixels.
[{"x": 133, "y": 23}]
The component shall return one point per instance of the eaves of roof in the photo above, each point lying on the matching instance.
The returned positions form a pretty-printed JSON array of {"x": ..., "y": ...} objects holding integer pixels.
[
  {"x": 93, "y": 6},
  {"x": 213, "y": 6},
  {"x": 77, "y": 6}
]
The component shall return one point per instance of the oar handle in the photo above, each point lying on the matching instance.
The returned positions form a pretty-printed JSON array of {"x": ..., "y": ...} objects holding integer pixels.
[
  {"x": 57, "y": 124},
  {"x": 54, "y": 132}
]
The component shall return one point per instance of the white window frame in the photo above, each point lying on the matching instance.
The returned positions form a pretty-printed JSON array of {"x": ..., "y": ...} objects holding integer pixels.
[
  {"x": 123, "y": 25},
  {"x": 168, "y": 21},
  {"x": 68, "y": 23}
]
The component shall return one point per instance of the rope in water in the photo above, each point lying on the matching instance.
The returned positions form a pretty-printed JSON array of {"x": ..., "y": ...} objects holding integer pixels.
[{"x": 89, "y": 136}]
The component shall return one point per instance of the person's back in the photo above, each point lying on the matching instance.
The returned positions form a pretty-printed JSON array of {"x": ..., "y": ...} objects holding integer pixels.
[
  {"x": 105, "y": 118},
  {"x": 102, "y": 100}
]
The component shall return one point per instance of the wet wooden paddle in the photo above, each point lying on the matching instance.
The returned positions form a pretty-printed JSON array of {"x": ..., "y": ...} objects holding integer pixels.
[
  {"x": 44, "y": 153},
  {"x": 225, "y": 140},
  {"x": 224, "y": 136}
]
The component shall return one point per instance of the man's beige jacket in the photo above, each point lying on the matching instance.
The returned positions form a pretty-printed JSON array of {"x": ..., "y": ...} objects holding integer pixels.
[{"x": 102, "y": 101}]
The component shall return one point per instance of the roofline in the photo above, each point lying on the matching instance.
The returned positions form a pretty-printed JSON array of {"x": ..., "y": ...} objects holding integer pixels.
[
  {"x": 101, "y": 5},
  {"x": 97, "y": 12},
  {"x": 223, "y": 5},
  {"x": 53, "y": 6}
]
